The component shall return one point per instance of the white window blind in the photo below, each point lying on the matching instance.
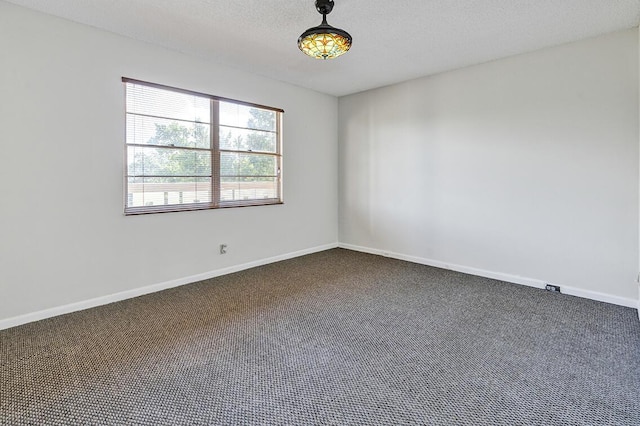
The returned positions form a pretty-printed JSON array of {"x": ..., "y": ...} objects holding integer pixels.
[{"x": 188, "y": 151}]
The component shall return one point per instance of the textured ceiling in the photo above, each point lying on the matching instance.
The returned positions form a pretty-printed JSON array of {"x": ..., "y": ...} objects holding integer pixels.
[{"x": 394, "y": 40}]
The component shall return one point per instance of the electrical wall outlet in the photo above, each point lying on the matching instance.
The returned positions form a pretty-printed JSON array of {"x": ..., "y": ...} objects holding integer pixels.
[
  {"x": 551, "y": 287},
  {"x": 223, "y": 249}
]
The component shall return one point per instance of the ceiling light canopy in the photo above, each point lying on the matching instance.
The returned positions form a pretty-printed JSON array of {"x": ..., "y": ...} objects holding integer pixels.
[{"x": 324, "y": 41}]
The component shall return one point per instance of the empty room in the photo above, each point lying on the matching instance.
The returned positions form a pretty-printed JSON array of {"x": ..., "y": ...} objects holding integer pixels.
[{"x": 319, "y": 212}]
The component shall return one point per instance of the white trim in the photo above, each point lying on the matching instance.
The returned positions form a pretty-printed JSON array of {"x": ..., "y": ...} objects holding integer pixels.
[
  {"x": 103, "y": 300},
  {"x": 601, "y": 297},
  {"x": 516, "y": 279},
  {"x": 128, "y": 294}
]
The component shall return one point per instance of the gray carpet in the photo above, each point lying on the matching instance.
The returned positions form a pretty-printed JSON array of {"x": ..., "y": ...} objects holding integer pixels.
[{"x": 333, "y": 338}]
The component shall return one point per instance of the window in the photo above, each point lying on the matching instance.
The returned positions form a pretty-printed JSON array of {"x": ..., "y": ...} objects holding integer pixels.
[{"x": 191, "y": 151}]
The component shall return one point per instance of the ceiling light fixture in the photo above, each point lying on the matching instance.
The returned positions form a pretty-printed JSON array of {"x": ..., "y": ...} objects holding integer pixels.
[{"x": 324, "y": 41}]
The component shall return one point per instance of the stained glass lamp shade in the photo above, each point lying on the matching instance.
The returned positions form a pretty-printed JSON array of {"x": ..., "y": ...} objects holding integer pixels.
[{"x": 324, "y": 41}]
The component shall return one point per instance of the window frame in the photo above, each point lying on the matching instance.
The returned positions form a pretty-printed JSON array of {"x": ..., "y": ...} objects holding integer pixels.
[{"x": 215, "y": 152}]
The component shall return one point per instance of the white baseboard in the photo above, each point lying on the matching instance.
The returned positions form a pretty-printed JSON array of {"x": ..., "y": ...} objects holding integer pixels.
[
  {"x": 116, "y": 297},
  {"x": 516, "y": 279}
]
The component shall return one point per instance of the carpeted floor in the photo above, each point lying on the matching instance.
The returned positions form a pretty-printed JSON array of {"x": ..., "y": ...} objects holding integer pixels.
[{"x": 333, "y": 338}]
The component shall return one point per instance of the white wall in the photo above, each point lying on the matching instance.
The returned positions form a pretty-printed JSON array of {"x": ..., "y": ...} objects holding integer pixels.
[
  {"x": 63, "y": 236},
  {"x": 524, "y": 168}
]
